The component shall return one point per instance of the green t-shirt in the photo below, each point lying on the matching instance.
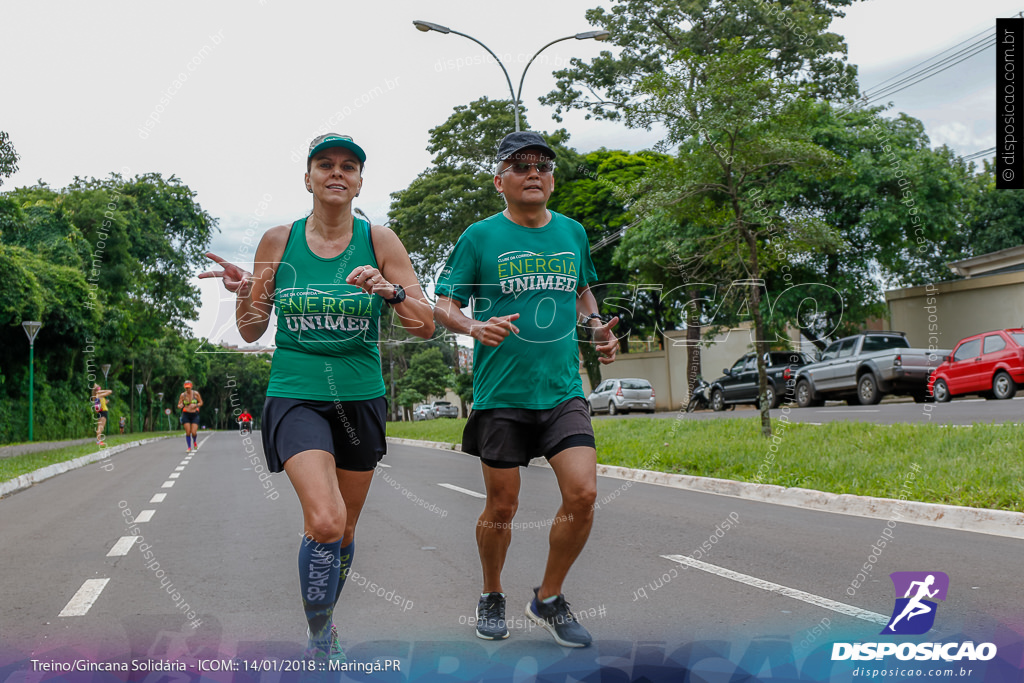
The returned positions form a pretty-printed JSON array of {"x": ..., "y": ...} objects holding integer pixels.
[
  {"x": 327, "y": 330},
  {"x": 507, "y": 268}
]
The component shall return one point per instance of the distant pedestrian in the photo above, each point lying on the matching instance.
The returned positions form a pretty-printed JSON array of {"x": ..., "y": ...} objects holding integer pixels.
[
  {"x": 121, "y": 423},
  {"x": 189, "y": 403},
  {"x": 99, "y": 407}
]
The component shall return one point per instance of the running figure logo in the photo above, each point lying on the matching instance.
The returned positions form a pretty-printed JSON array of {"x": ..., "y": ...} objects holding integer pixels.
[{"x": 916, "y": 589}]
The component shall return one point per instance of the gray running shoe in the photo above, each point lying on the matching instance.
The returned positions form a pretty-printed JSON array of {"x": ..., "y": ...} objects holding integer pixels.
[
  {"x": 490, "y": 617},
  {"x": 559, "y": 621}
]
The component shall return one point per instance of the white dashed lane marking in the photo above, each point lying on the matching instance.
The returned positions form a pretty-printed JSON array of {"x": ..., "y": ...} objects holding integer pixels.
[
  {"x": 167, "y": 484},
  {"x": 453, "y": 487},
  {"x": 809, "y": 598},
  {"x": 174, "y": 475},
  {"x": 158, "y": 498},
  {"x": 123, "y": 545},
  {"x": 85, "y": 597},
  {"x": 145, "y": 516}
]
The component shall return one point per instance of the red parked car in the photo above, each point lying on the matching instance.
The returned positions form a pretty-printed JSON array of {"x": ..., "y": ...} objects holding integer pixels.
[{"x": 990, "y": 364}]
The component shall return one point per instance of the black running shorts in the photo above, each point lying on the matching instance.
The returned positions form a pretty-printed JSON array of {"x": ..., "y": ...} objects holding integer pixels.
[
  {"x": 351, "y": 431},
  {"x": 190, "y": 418},
  {"x": 511, "y": 437}
]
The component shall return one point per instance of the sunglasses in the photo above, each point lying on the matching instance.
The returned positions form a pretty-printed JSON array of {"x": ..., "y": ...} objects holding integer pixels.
[{"x": 522, "y": 168}]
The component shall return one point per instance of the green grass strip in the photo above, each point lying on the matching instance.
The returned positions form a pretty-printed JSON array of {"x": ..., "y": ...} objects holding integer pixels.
[
  {"x": 979, "y": 466},
  {"x": 18, "y": 465}
]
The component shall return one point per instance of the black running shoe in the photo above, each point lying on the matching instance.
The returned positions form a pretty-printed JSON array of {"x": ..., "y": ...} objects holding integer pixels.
[
  {"x": 559, "y": 621},
  {"x": 490, "y": 617}
]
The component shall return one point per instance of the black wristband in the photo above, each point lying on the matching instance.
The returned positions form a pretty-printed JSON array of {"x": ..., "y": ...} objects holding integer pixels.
[{"x": 399, "y": 296}]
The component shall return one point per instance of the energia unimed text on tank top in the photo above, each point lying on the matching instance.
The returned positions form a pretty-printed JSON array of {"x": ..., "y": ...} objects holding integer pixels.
[{"x": 327, "y": 330}]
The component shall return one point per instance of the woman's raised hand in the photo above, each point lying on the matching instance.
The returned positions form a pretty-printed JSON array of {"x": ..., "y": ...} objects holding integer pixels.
[{"x": 234, "y": 278}]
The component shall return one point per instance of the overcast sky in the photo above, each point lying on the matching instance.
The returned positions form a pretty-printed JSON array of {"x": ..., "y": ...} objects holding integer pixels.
[{"x": 227, "y": 95}]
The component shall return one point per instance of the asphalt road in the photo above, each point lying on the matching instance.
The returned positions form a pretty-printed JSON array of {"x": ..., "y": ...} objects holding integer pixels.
[
  {"x": 963, "y": 411},
  {"x": 229, "y": 547}
]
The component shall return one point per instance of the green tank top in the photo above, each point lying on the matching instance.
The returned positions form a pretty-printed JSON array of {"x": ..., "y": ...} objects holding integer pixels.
[{"x": 327, "y": 330}]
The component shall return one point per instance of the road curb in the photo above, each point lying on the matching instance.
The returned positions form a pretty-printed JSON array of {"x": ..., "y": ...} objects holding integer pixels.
[
  {"x": 42, "y": 474},
  {"x": 996, "y": 522}
]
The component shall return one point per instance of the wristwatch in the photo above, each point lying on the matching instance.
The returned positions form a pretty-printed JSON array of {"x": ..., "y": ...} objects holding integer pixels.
[
  {"x": 586, "y": 321},
  {"x": 399, "y": 296}
]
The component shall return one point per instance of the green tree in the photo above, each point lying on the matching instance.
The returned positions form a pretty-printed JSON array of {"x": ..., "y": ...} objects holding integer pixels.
[
  {"x": 427, "y": 375},
  {"x": 8, "y": 157},
  {"x": 733, "y": 84},
  {"x": 463, "y": 388},
  {"x": 995, "y": 221},
  {"x": 458, "y": 189},
  {"x": 651, "y": 37}
]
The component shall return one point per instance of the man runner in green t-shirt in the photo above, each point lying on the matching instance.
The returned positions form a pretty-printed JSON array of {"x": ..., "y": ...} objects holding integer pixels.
[{"x": 528, "y": 272}]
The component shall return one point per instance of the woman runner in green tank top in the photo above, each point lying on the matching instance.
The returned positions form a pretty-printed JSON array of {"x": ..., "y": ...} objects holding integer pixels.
[{"x": 328, "y": 277}]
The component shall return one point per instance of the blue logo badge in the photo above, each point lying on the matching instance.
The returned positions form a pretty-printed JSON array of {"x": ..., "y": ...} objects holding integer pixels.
[{"x": 914, "y": 612}]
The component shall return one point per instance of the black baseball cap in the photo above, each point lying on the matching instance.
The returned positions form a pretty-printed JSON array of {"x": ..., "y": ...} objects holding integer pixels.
[{"x": 520, "y": 140}]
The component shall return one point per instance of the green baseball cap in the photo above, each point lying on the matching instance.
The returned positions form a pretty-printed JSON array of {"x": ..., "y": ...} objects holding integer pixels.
[{"x": 329, "y": 140}]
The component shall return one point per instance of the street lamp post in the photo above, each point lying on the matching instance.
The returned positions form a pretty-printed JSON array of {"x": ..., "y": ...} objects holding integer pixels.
[
  {"x": 106, "y": 369},
  {"x": 31, "y": 328},
  {"x": 427, "y": 26},
  {"x": 138, "y": 388},
  {"x": 160, "y": 401},
  {"x": 216, "y": 418}
]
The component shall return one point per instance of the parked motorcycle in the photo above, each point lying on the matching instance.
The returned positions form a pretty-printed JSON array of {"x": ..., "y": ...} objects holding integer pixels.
[{"x": 700, "y": 397}]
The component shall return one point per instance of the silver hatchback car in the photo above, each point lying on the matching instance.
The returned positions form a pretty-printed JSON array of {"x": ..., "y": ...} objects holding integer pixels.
[{"x": 621, "y": 396}]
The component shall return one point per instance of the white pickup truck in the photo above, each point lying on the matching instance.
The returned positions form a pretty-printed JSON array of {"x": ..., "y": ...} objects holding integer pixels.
[{"x": 864, "y": 368}]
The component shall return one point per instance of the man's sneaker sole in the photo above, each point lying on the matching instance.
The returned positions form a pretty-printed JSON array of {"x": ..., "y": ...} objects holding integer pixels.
[
  {"x": 484, "y": 636},
  {"x": 549, "y": 628}
]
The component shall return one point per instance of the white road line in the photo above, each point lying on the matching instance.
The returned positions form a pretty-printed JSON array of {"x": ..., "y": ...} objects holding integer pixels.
[
  {"x": 810, "y": 598},
  {"x": 145, "y": 516},
  {"x": 453, "y": 487},
  {"x": 380, "y": 464},
  {"x": 167, "y": 484},
  {"x": 123, "y": 545},
  {"x": 81, "y": 602},
  {"x": 174, "y": 475},
  {"x": 179, "y": 468},
  {"x": 184, "y": 462},
  {"x": 158, "y": 498}
]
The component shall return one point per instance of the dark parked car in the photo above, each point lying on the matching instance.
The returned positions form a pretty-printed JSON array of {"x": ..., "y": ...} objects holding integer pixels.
[
  {"x": 990, "y": 364},
  {"x": 740, "y": 382},
  {"x": 622, "y": 395}
]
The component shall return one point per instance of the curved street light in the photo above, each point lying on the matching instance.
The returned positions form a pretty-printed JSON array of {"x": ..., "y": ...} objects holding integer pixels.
[{"x": 427, "y": 26}]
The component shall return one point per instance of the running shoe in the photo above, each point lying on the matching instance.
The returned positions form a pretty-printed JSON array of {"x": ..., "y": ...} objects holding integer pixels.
[
  {"x": 337, "y": 654},
  {"x": 490, "y": 617},
  {"x": 558, "y": 620}
]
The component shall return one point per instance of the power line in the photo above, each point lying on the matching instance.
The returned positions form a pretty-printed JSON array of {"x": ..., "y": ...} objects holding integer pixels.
[
  {"x": 926, "y": 69},
  {"x": 979, "y": 155},
  {"x": 933, "y": 69},
  {"x": 878, "y": 85},
  {"x": 925, "y": 76}
]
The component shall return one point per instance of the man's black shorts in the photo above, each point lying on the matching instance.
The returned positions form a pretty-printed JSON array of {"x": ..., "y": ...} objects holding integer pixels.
[
  {"x": 511, "y": 437},
  {"x": 352, "y": 431}
]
